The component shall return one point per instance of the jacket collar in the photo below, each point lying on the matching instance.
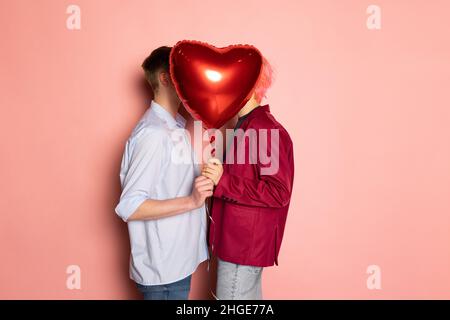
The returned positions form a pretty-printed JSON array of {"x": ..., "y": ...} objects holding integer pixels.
[{"x": 255, "y": 112}]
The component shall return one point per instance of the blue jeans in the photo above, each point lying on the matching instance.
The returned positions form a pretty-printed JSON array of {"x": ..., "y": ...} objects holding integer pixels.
[
  {"x": 172, "y": 291},
  {"x": 238, "y": 282}
]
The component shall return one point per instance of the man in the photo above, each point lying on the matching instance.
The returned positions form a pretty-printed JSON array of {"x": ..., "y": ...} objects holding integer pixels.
[
  {"x": 162, "y": 200},
  {"x": 251, "y": 198}
]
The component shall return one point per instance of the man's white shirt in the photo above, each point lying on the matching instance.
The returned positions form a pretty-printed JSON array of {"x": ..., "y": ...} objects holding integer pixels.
[{"x": 168, "y": 249}]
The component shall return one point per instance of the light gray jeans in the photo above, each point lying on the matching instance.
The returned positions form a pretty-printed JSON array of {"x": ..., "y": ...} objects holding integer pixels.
[{"x": 238, "y": 282}]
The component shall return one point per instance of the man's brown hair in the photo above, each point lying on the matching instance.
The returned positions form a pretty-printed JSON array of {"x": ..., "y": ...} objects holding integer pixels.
[{"x": 156, "y": 62}]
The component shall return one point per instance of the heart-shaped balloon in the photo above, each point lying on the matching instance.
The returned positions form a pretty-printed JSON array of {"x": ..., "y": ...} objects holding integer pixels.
[{"x": 214, "y": 83}]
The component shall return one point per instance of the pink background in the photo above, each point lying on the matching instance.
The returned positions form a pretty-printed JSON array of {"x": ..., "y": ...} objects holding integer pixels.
[{"x": 368, "y": 112}]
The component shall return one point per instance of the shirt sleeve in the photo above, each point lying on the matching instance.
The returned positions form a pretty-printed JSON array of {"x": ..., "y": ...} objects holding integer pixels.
[
  {"x": 271, "y": 191},
  {"x": 145, "y": 167}
]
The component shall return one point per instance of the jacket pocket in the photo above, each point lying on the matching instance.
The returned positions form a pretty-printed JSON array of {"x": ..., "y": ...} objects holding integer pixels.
[{"x": 237, "y": 230}]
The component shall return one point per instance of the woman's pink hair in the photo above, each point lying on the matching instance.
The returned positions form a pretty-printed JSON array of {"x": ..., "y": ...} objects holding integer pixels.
[{"x": 265, "y": 80}]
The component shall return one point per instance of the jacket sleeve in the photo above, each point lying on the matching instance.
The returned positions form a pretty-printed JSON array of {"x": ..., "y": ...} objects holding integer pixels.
[{"x": 266, "y": 190}]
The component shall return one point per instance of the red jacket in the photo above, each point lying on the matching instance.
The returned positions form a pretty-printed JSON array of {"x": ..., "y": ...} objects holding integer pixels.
[{"x": 249, "y": 208}]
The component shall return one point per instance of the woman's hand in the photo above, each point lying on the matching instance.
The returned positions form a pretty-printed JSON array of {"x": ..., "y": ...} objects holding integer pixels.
[{"x": 213, "y": 170}]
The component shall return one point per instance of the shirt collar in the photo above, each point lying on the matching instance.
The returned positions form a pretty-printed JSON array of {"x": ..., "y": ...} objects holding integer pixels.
[{"x": 163, "y": 114}]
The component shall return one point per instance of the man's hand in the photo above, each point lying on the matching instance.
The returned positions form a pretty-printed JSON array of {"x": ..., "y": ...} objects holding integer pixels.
[
  {"x": 202, "y": 189},
  {"x": 213, "y": 170}
]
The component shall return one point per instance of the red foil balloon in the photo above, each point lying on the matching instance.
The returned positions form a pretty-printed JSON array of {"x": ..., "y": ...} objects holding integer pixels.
[{"x": 214, "y": 83}]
